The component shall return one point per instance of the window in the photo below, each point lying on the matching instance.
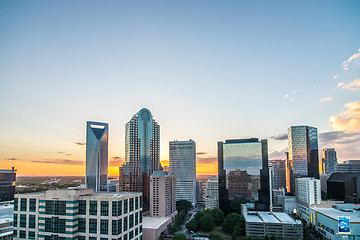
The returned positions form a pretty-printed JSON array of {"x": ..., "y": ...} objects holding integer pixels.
[
  {"x": 140, "y": 228},
  {"x": 15, "y": 204},
  {"x": 23, "y": 202},
  {"x": 125, "y": 206},
  {"x": 131, "y": 235},
  {"x": 92, "y": 225},
  {"x": 131, "y": 205},
  {"x": 104, "y": 226},
  {"x": 81, "y": 238},
  {"x": 82, "y": 225},
  {"x": 125, "y": 237},
  {"x": 136, "y": 202},
  {"x": 140, "y": 216},
  {"x": 141, "y": 201},
  {"x": 114, "y": 227},
  {"x": 120, "y": 226},
  {"x": 125, "y": 223},
  {"x": 31, "y": 221},
  {"x": 23, "y": 234},
  {"x": 23, "y": 220},
  {"x": 32, "y": 205},
  {"x": 55, "y": 207},
  {"x": 93, "y": 208},
  {"x": 92, "y": 238},
  {"x": 136, "y": 218},
  {"x": 117, "y": 208},
  {"x": 131, "y": 221},
  {"x": 136, "y": 231},
  {"x": 104, "y": 208},
  {"x": 82, "y": 207},
  {"x": 55, "y": 225},
  {"x": 15, "y": 220},
  {"x": 31, "y": 235},
  {"x": 15, "y": 233}
]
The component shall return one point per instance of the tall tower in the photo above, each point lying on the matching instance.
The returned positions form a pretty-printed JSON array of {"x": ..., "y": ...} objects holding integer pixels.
[
  {"x": 328, "y": 161},
  {"x": 303, "y": 151},
  {"x": 142, "y": 154},
  {"x": 97, "y": 135},
  {"x": 182, "y": 163}
]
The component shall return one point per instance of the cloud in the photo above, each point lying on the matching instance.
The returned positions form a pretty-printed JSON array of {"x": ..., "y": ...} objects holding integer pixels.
[
  {"x": 80, "y": 143},
  {"x": 345, "y": 64},
  {"x": 353, "y": 86},
  {"x": 60, "y": 161},
  {"x": 11, "y": 159},
  {"x": 201, "y": 153},
  {"x": 336, "y": 76},
  {"x": 286, "y": 95},
  {"x": 206, "y": 160},
  {"x": 348, "y": 120},
  {"x": 282, "y": 136},
  {"x": 293, "y": 92},
  {"x": 338, "y": 137},
  {"x": 325, "y": 99},
  {"x": 278, "y": 154},
  {"x": 116, "y": 161},
  {"x": 292, "y": 99}
]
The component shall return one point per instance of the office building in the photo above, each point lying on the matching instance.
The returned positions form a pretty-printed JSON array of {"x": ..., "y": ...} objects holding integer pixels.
[
  {"x": 212, "y": 193},
  {"x": 278, "y": 174},
  {"x": 78, "y": 214},
  {"x": 275, "y": 196},
  {"x": 142, "y": 153},
  {"x": 97, "y": 135},
  {"x": 162, "y": 194},
  {"x": 243, "y": 160},
  {"x": 349, "y": 166},
  {"x": 303, "y": 154},
  {"x": 182, "y": 163},
  {"x": 307, "y": 193},
  {"x": 6, "y": 220},
  {"x": 7, "y": 184},
  {"x": 344, "y": 187},
  {"x": 199, "y": 191},
  {"x": 277, "y": 224},
  {"x": 328, "y": 161}
]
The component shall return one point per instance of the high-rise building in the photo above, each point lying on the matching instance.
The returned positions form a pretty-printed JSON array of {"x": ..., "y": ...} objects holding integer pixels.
[
  {"x": 349, "y": 166},
  {"x": 278, "y": 175},
  {"x": 212, "y": 193},
  {"x": 245, "y": 159},
  {"x": 303, "y": 152},
  {"x": 142, "y": 154},
  {"x": 7, "y": 184},
  {"x": 162, "y": 194},
  {"x": 182, "y": 163},
  {"x": 78, "y": 214},
  {"x": 308, "y": 190},
  {"x": 97, "y": 135},
  {"x": 199, "y": 191},
  {"x": 328, "y": 161}
]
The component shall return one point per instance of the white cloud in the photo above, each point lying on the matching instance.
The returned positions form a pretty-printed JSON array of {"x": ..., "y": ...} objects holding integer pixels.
[
  {"x": 348, "y": 120},
  {"x": 325, "y": 99},
  {"x": 336, "y": 76},
  {"x": 345, "y": 64},
  {"x": 292, "y": 99},
  {"x": 293, "y": 92},
  {"x": 353, "y": 86},
  {"x": 286, "y": 95}
]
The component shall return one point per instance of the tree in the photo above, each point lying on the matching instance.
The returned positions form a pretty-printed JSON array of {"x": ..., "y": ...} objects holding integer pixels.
[
  {"x": 307, "y": 235},
  {"x": 183, "y": 205},
  {"x": 192, "y": 225},
  {"x": 233, "y": 236},
  {"x": 217, "y": 236},
  {"x": 239, "y": 228},
  {"x": 180, "y": 236},
  {"x": 230, "y": 222},
  {"x": 198, "y": 215},
  {"x": 218, "y": 215},
  {"x": 273, "y": 237},
  {"x": 207, "y": 223}
]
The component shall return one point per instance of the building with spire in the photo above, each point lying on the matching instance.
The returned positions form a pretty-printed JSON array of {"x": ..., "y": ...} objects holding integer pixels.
[
  {"x": 97, "y": 135},
  {"x": 142, "y": 154}
]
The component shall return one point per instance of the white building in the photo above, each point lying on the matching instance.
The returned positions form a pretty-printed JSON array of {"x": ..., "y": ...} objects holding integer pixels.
[
  {"x": 162, "y": 194},
  {"x": 307, "y": 193},
  {"x": 78, "y": 214},
  {"x": 182, "y": 163},
  {"x": 212, "y": 193}
]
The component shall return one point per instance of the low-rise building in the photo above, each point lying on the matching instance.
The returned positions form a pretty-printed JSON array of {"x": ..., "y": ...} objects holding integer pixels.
[
  {"x": 212, "y": 193},
  {"x": 78, "y": 214},
  {"x": 277, "y": 224}
]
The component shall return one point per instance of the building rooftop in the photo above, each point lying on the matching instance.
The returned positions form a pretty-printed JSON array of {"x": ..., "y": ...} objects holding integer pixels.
[
  {"x": 79, "y": 192},
  {"x": 335, "y": 213},
  {"x": 270, "y": 217},
  {"x": 155, "y": 222},
  {"x": 160, "y": 174}
]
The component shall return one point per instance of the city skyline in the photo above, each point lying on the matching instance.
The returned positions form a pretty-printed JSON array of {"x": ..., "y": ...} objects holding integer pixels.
[{"x": 207, "y": 70}]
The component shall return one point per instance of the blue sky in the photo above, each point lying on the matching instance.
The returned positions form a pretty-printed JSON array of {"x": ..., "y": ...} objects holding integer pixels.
[{"x": 208, "y": 70}]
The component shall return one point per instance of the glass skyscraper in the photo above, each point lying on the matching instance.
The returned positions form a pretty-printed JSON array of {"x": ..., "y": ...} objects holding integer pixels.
[
  {"x": 97, "y": 135},
  {"x": 182, "y": 163},
  {"x": 328, "y": 161},
  {"x": 142, "y": 154},
  {"x": 243, "y": 174},
  {"x": 303, "y": 152}
]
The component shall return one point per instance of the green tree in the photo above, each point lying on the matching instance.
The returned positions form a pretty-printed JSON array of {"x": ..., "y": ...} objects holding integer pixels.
[
  {"x": 183, "y": 205},
  {"x": 217, "y": 236},
  {"x": 239, "y": 228},
  {"x": 233, "y": 236},
  {"x": 218, "y": 215},
  {"x": 307, "y": 235},
  {"x": 198, "y": 215},
  {"x": 266, "y": 238},
  {"x": 230, "y": 222},
  {"x": 180, "y": 236},
  {"x": 207, "y": 223},
  {"x": 192, "y": 225},
  {"x": 273, "y": 237}
]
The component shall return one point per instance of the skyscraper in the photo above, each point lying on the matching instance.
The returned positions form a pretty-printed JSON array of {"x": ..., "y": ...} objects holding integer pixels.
[
  {"x": 142, "y": 154},
  {"x": 328, "y": 161},
  {"x": 182, "y": 163},
  {"x": 278, "y": 173},
  {"x": 7, "y": 184},
  {"x": 97, "y": 135},
  {"x": 303, "y": 151},
  {"x": 243, "y": 174}
]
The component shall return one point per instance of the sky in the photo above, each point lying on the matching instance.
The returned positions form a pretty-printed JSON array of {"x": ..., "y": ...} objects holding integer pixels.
[{"x": 207, "y": 70}]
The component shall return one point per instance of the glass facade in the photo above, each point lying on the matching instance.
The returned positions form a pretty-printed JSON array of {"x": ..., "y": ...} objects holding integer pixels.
[
  {"x": 55, "y": 207},
  {"x": 142, "y": 154},
  {"x": 97, "y": 156},
  {"x": 328, "y": 161},
  {"x": 7, "y": 184},
  {"x": 243, "y": 174}
]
